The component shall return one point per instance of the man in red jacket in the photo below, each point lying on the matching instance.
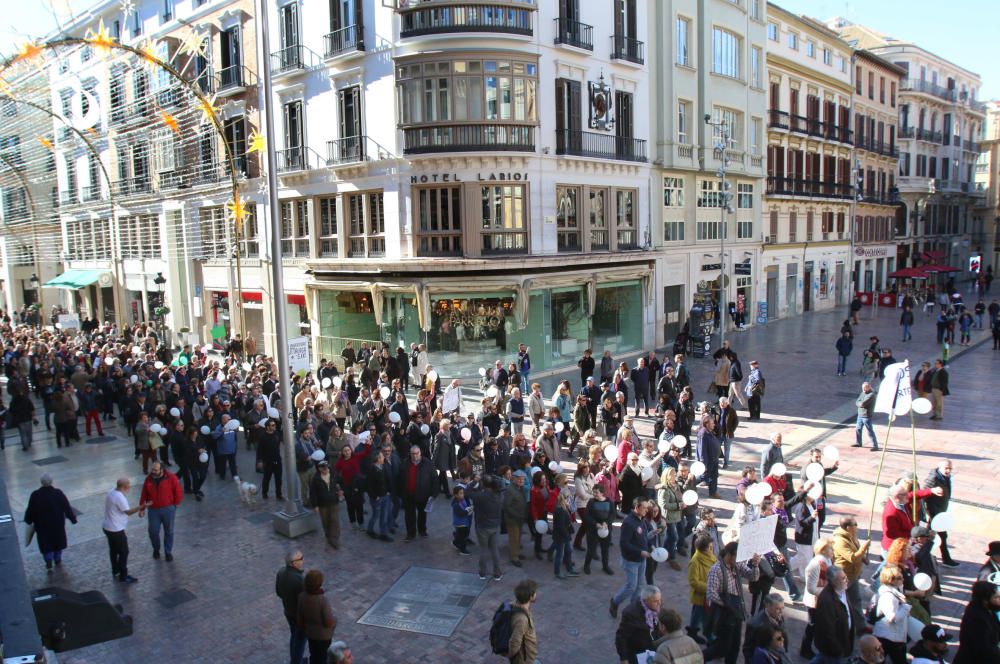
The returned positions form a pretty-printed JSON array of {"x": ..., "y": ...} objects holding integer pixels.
[
  {"x": 161, "y": 494},
  {"x": 897, "y": 515}
]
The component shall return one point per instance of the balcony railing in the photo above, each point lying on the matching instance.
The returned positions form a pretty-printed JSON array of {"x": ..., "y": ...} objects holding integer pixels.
[
  {"x": 293, "y": 159},
  {"x": 469, "y": 138},
  {"x": 289, "y": 58},
  {"x": 626, "y": 48},
  {"x": 875, "y": 197},
  {"x": 777, "y": 119},
  {"x": 928, "y": 88},
  {"x": 347, "y": 150},
  {"x": 139, "y": 185},
  {"x": 782, "y": 186},
  {"x": 91, "y": 193},
  {"x": 921, "y": 134},
  {"x": 68, "y": 198},
  {"x": 429, "y": 18},
  {"x": 879, "y": 147},
  {"x": 599, "y": 146},
  {"x": 574, "y": 33},
  {"x": 343, "y": 40},
  {"x": 232, "y": 77}
]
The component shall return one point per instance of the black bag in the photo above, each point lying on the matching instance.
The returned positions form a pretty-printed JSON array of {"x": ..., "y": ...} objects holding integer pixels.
[{"x": 502, "y": 628}]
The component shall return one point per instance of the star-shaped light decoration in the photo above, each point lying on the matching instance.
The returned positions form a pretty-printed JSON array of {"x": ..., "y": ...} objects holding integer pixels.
[
  {"x": 170, "y": 121},
  {"x": 46, "y": 143},
  {"x": 194, "y": 44},
  {"x": 4, "y": 88},
  {"x": 101, "y": 40},
  {"x": 256, "y": 142},
  {"x": 149, "y": 58},
  {"x": 127, "y": 7},
  {"x": 28, "y": 51},
  {"x": 207, "y": 108},
  {"x": 237, "y": 210}
]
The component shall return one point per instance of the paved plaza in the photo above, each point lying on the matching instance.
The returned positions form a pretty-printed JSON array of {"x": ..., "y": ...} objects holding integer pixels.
[{"x": 215, "y": 602}]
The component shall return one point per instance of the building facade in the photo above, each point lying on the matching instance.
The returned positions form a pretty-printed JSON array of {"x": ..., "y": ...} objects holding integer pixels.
[
  {"x": 939, "y": 127},
  {"x": 987, "y": 178},
  {"x": 878, "y": 212},
  {"x": 709, "y": 62},
  {"x": 809, "y": 190}
]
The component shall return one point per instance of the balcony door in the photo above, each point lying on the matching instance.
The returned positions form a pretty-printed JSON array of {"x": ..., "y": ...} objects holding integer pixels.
[
  {"x": 346, "y": 23},
  {"x": 293, "y": 135},
  {"x": 569, "y": 21},
  {"x": 569, "y": 118},
  {"x": 624, "y": 124},
  {"x": 625, "y": 21},
  {"x": 232, "y": 57},
  {"x": 289, "y": 27},
  {"x": 350, "y": 124}
]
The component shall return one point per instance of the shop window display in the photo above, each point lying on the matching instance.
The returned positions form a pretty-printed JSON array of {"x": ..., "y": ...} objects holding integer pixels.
[{"x": 471, "y": 325}]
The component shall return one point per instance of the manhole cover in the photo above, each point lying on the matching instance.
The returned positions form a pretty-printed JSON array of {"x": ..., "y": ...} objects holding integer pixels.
[
  {"x": 426, "y": 601},
  {"x": 48, "y": 461},
  {"x": 175, "y": 598}
]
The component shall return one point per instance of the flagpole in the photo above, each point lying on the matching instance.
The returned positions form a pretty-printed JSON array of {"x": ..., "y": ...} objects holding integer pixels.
[
  {"x": 897, "y": 377},
  {"x": 878, "y": 475}
]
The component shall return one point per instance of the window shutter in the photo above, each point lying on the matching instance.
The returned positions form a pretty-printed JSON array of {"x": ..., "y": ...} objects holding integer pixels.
[{"x": 359, "y": 23}]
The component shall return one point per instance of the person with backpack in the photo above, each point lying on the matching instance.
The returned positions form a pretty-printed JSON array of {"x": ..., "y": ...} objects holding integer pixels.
[{"x": 512, "y": 633}]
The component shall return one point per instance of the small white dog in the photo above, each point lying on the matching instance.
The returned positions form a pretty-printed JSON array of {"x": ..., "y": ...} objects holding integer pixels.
[{"x": 248, "y": 491}]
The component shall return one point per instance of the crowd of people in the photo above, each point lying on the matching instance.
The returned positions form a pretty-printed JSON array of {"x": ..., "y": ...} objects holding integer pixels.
[{"x": 377, "y": 430}]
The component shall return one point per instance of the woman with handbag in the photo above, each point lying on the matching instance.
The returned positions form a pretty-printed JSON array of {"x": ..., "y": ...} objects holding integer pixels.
[
  {"x": 815, "y": 578},
  {"x": 315, "y": 616},
  {"x": 669, "y": 499},
  {"x": 891, "y": 615},
  {"x": 656, "y": 527},
  {"x": 702, "y": 561}
]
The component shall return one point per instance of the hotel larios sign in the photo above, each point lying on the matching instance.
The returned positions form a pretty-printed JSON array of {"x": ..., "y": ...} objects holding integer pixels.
[
  {"x": 481, "y": 177},
  {"x": 871, "y": 252}
]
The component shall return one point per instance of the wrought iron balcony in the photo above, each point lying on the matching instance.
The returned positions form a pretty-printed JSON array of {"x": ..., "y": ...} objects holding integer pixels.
[
  {"x": 293, "y": 58},
  {"x": 294, "y": 159},
  {"x": 574, "y": 33},
  {"x": 927, "y": 88},
  {"x": 491, "y": 137},
  {"x": 783, "y": 186},
  {"x": 777, "y": 119},
  {"x": 427, "y": 18},
  {"x": 627, "y": 48},
  {"x": 91, "y": 193},
  {"x": 233, "y": 78},
  {"x": 343, "y": 40},
  {"x": 346, "y": 150},
  {"x": 599, "y": 146},
  {"x": 68, "y": 198}
]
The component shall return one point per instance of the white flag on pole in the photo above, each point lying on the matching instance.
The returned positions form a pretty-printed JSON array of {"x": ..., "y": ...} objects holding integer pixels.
[{"x": 894, "y": 392}]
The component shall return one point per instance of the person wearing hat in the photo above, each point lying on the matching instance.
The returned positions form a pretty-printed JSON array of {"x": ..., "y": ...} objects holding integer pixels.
[
  {"x": 593, "y": 395},
  {"x": 586, "y": 365},
  {"x": 754, "y": 390},
  {"x": 325, "y": 494},
  {"x": 991, "y": 566},
  {"x": 932, "y": 646}
]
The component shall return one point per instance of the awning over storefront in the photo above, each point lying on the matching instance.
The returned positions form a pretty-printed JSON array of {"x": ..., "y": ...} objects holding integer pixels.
[{"x": 74, "y": 279}]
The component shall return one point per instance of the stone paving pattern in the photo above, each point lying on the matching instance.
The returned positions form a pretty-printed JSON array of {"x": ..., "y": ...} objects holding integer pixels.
[{"x": 226, "y": 553}]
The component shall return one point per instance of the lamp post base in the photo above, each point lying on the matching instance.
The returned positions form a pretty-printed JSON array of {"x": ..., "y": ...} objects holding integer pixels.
[{"x": 295, "y": 525}]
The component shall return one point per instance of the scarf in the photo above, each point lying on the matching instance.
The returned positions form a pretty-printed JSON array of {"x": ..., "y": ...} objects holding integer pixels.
[{"x": 651, "y": 617}]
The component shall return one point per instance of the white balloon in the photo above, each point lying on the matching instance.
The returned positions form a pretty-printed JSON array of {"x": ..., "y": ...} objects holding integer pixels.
[
  {"x": 921, "y": 405},
  {"x": 232, "y": 425},
  {"x": 659, "y": 554},
  {"x": 205, "y": 430},
  {"x": 175, "y": 412},
  {"x": 603, "y": 532},
  {"x": 647, "y": 474},
  {"x": 816, "y": 492},
  {"x": 815, "y": 472},
  {"x": 555, "y": 467},
  {"x": 611, "y": 453},
  {"x": 395, "y": 417},
  {"x": 326, "y": 382},
  {"x": 432, "y": 375},
  {"x": 424, "y": 429},
  {"x": 535, "y": 469},
  {"x": 154, "y": 428},
  {"x": 831, "y": 453},
  {"x": 136, "y": 350},
  {"x": 492, "y": 392},
  {"x": 753, "y": 495},
  {"x": 922, "y": 581},
  {"x": 943, "y": 522},
  {"x": 902, "y": 408},
  {"x": 247, "y": 366},
  {"x": 133, "y": 378},
  {"x": 697, "y": 469},
  {"x": 482, "y": 371},
  {"x": 730, "y": 535},
  {"x": 273, "y": 413},
  {"x": 157, "y": 365},
  {"x": 680, "y": 442},
  {"x": 384, "y": 392},
  {"x": 764, "y": 488},
  {"x": 203, "y": 457},
  {"x": 541, "y": 526},
  {"x": 318, "y": 455},
  {"x": 560, "y": 427},
  {"x": 663, "y": 446},
  {"x": 778, "y": 470},
  {"x": 690, "y": 497},
  {"x": 337, "y": 381},
  {"x": 466, "y": 433},
  {"x": 109, "y": 360}
]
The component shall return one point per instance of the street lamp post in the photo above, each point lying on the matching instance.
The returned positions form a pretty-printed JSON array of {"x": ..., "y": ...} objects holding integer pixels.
[
  {"x": 725, "y": 205},
  {"x": 160, "y": 280},
  {"x": 36, "y": 286}
]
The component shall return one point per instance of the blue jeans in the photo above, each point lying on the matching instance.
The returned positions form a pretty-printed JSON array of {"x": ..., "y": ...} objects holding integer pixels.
[
  {"x": 526, "y": 382},
  {"x": 841, "y": 364},
  {"x": 688, "y": 521},
  {"x": 865, "y": 423},
  {"x": 563, "y": 555},
  {"x": 672, "y": 537},
  {"x": 635, "y": 573},
  {"x": 906, "y": 332},
  {"x": 726, "y": 444},
  {"x": 711, "y": 477},
  {"x": 24, "y": 430},
  {"x": 296, "y": 643},
  {"x": 162, "y": 516},
  {"x": 381, "y": 515},
  {"x": 697, "y": 620}
]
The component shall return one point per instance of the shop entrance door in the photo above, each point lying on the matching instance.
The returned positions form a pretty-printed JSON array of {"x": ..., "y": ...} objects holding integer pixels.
[
  {"x": 791, "y": 287},
  {"x": 807, "y": 291},
  {"x": 672, "y": 297},
  {"x": 838, "y": 284},
  {"x": 772, "y": 295}
]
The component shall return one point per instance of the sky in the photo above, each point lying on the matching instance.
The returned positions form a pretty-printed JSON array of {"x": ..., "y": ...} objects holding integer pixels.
[{"x": 963, "y": 31}]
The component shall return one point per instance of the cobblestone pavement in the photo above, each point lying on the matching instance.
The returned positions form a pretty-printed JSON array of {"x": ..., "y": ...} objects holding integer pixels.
[{"x": 226, "y": 553}]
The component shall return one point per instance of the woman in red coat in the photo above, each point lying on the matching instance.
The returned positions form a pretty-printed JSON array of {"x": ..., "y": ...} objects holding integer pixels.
[
  {"x": 541, "y": 504},
  {"x": 348, "y": 467}
]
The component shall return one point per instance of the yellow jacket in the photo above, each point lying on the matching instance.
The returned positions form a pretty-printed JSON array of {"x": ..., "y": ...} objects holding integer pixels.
[
  {"x": 849, "y": 554},
  {"x": 698, "y": 576}
]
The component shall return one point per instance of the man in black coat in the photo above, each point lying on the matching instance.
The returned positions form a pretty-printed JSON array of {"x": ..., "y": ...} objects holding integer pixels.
[
  {"x": 940, "y": 477},
  {"x": 288, "y": 585},
  {"x": 834, "y": 631},
  {"x": 634, "y": 635},
  {"x": 269, "y": 458},
  {"x": 586, "y": 364},
  {"x": 416, "y": 485},
  {"x": 48, "y": 509}
]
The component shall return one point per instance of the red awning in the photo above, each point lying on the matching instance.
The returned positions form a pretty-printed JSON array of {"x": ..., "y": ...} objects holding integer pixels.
[
  {"x": 909, "y": 273},
  {"x": 296, "y": 299},
  {"x": 939, "y": 268},
  {"x": 253, "y": 296}
]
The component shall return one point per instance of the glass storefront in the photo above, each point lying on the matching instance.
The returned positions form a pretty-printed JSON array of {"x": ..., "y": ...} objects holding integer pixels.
[{"x": 618, "y": 317}]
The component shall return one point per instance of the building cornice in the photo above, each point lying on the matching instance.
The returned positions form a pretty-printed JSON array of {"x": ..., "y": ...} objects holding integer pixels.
[{"x": 809, "y": 74}]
